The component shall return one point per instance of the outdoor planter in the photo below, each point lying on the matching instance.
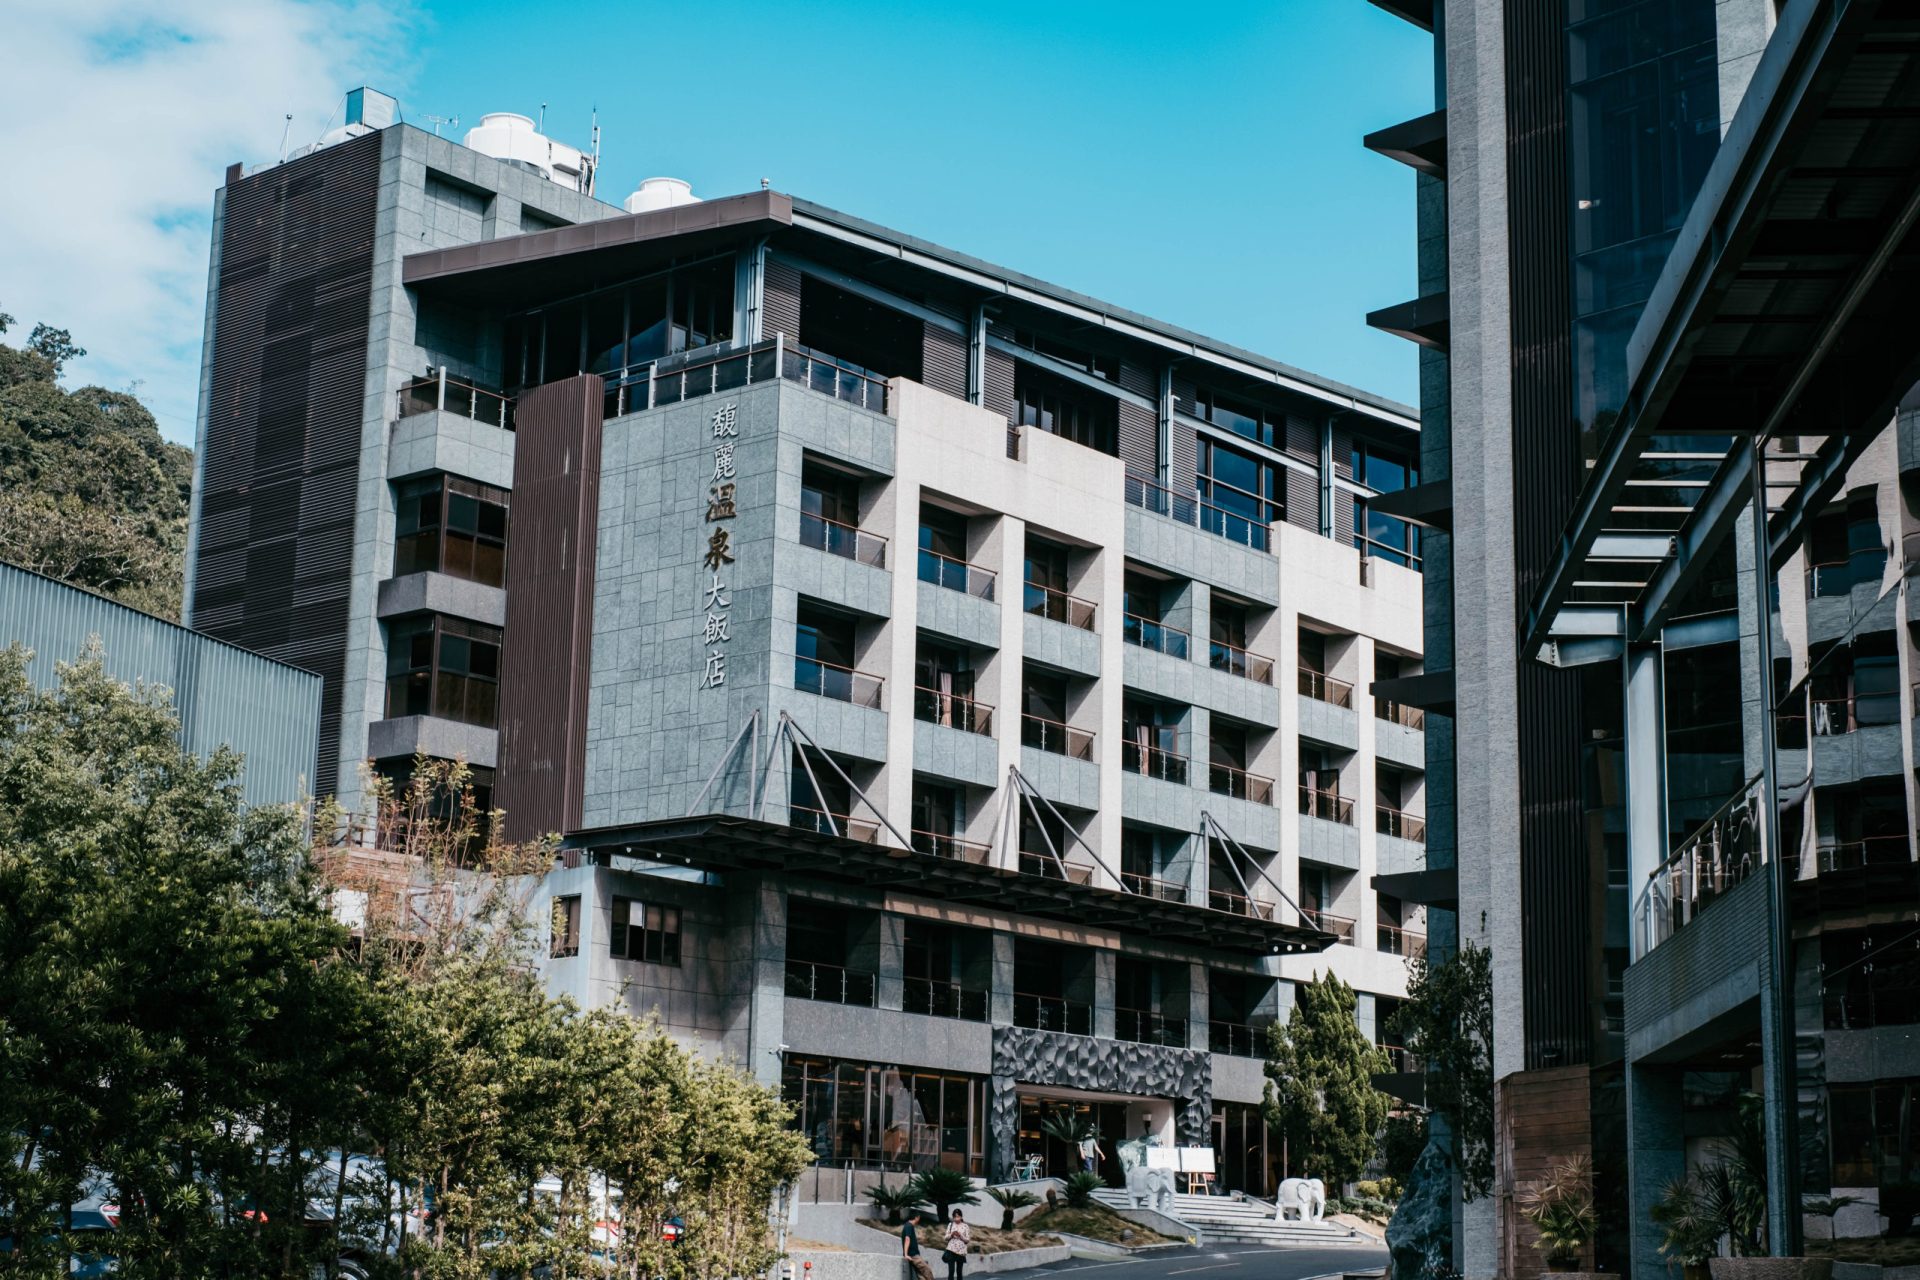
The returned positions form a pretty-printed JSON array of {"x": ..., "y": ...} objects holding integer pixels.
[{"x": 1771, "y": 1268}]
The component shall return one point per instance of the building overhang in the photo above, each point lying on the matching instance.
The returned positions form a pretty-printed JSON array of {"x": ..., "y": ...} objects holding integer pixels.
[
  {"x": 726, "y": 844},
  {"x": 1419, "y": 143},
  {"x": 1781, "y": 315}
]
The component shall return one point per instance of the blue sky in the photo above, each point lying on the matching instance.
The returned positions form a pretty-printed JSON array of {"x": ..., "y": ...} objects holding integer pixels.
[{"x": 1199, "y": 163}]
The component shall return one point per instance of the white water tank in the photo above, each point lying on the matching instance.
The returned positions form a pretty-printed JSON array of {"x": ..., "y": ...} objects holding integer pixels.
[
  {"x": 661, "y": 193},
  {"x": 510, "y": 137}
]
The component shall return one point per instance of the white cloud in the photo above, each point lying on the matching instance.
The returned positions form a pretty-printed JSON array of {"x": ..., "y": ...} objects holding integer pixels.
[{"x": 119, "y": 120}]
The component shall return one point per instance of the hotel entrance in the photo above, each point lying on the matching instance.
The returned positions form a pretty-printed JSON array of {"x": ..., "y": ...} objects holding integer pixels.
[{"x": 1116, "y": 1118}]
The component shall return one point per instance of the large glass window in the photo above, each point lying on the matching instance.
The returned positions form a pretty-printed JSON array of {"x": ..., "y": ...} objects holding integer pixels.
[
  {"x": 452, "y": 526},
  {"x": 1054, "y": 404},
  {"x": 867, "y": 1114},
  {"x": 444, "y": 667},
  {"x": 616, "y": 331},
  {"x": 1385, "y": 470},
  {"x": 645, "y": 932},
  {"x": 1238, "y": 489},
  {"x": 1240, "y": 416}
]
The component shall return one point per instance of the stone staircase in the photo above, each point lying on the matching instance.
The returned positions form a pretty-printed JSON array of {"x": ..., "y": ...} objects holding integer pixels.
[{"x": 1225, "y": 1220}]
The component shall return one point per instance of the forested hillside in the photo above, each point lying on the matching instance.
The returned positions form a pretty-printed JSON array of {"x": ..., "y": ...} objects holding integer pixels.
[{"x": 89, "y": 491}]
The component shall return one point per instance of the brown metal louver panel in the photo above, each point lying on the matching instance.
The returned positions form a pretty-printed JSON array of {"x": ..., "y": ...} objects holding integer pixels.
[
  {"x": 943, "y": 359},
  {"x": 546, "y": 660},
  {"x": 1139, "y": 440},
  {"x": 280, "y": 468},
  {"x": 1180, "y": 470},
  {"x": 999, "y": 383},
  {"x": 1303, "y": 499},
  {"x": 780, "y": 309}
]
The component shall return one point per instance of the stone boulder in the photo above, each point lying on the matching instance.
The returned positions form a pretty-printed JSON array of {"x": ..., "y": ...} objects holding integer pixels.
[{"x": 1420, "y": 1234}]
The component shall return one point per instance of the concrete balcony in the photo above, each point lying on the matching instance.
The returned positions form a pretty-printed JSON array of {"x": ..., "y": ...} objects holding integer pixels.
[
  {"x": 1062, "y": 779},
  {"x": 1062, "y": 646},
  {"x": 845, "y": 728},
  {"x": 440, "y": 440},
  {"x": 813, "y": 570},
  {"x": 1327, "y": 833},
  {"x": 1323, "y": 717},
  {"x": 1707, "y": 968},
  {"x": 1190, "y": 551},
  {"x": 942, "y": 751},
  {"x": 443, "y": 594},
  {"x": 1395, "y": 742},
  {"x": 1394, "y": 856},
  {"x": 820, "y": 1027},
  {"x": 958, "y": 615},
  {"x": 404, "y": 737}
]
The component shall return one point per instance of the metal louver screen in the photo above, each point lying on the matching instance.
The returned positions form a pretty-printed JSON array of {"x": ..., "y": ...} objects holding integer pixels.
[{"x": 943, "y": 360}]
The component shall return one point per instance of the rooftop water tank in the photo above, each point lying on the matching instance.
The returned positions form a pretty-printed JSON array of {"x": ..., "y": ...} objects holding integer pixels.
[
  {"x": 507, "y": 136},
  {"x": 661, "y": 193}
]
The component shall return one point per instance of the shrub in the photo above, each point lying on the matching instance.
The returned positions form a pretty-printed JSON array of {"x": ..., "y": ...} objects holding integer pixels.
[
  {"x": 1560, "y": 1207},
  {"x": 892, "y": 1201},
  {"x": 1367, "y": 1189},
  {"x": 1390, "y": 1190},
  {"x": 1009, "y": 1199},
  {"x": 1080, "y": 1189},
  {"x": 944, "y": 1188}
]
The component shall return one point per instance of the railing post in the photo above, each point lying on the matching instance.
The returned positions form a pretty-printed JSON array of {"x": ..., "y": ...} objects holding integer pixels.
[
  {"x": 441, "y": 402},
  {"x": 652, "y": 371}
]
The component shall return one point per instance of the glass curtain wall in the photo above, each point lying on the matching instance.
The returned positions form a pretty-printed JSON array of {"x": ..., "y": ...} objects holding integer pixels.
[{"x": 888, "y": 1117}]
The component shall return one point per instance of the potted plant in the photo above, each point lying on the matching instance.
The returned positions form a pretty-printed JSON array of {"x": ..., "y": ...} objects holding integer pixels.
[
  {"x": 1561, "y": 1209},
  {"x": 1728, "y": 1200},
  {"x": 1691, "y": 1224}
]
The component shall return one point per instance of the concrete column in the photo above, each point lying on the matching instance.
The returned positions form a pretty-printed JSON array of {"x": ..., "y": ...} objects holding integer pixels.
[
  {"x": 890, "y": 982},
  {"x": 1646, "y": 779},
  {"x": 1657, "y": 1154},
  {"x": 1105, "y": 991},
  {"x": 764, "y": 927},
  {"x": 1199, "y": 1006},
  {"x": 1000, "y": 995}
]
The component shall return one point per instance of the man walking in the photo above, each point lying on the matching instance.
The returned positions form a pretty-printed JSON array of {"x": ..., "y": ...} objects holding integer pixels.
[{"x": 910, "y": 1247}]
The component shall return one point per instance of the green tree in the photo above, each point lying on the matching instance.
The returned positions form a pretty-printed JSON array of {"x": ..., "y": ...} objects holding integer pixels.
[
  {"x": 89, "y": 491},
  {"x": 1447, "y": 1022},
  {"x": 1402, "y": 1138},
  {"x": 1320, "y": 1092}
]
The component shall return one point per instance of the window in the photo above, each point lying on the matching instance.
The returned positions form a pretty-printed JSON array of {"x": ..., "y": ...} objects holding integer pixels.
[
  {"x": 1386, "y": 471},
  {"x": 1105, "y": 367},
  {"x": 444, "y": 667},
  {"x": 644, "y": 933},
  {"x": 452, "y": 526},
  {"x": 1238, "y": 488},
  {"x": 563, "y": 937},
  {"x": 1065, "y": 408},
  {"x": 617, "y": 330},
  {"x": 1239, "y": 417}
]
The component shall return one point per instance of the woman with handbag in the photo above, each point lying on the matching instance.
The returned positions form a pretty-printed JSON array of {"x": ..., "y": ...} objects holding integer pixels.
[{"x": 955, "y": 1255}]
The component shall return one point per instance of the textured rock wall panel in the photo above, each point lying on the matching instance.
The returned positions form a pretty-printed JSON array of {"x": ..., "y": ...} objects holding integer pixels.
[{"x": 1024, "y": 1056}]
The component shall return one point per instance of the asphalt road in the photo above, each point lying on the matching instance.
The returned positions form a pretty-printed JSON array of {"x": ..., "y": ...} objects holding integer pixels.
[{"x": 1227, "y": 1262}]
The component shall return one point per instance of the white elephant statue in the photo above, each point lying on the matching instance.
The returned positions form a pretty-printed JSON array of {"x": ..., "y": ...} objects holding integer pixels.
[
  {"x": 1302, "y": 1199},
  {"x": 1154, "y": 1186}
]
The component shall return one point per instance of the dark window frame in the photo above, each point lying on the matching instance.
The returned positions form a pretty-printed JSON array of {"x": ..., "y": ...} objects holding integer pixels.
[
  {"x": 657, "y": 943},
  {"x": 412, "y": 531},
  {"x": 480, "y": 692}
]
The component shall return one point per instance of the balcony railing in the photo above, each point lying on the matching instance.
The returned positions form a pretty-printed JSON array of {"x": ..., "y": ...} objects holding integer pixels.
[
  {"x": 829, "y": 982},
  {"x": 1239, "y": 904},
  {"x": 956, "y": 575},
  {"x": 1060, "y": 739},
  {"x": 1389, "y": 821},
  {"x": 1399, "y": 1061},
  {"x": 442, "y": 394},
  {"x": 944, "y": 1000},
  {"x": 1396, "y": 940},
  {"x": 1149, "y": 887},
  {"x": 1322, "y": 687},
  {"x": 842, "y": 684},
  {"x": 1326, "y": 922},
  {"x": 1719, "y": 854},
  {"x": 1235, "y": 661},
  {"x": 1050, "y": 1013},
  {"x": 1238, "y": 1039},
  {"x": 1157, "y": 636},
  {"x": 1189, "y": 509},
  {"x": 844, "y": 540},
  {"x": 1046, "y": 602},
  {"x": 952, "y": 710},
  {"x": 714, "y": 369},
  {"x": 942, "y": 845},
  {"x": 827, "y": 824},
  {"x": 1151, "y": 760},
  {"x": 1143, "y": 1026},
  {"x": 1041, "y": 864},
  {"x": 1232, "y": 780},
  {"x": 1868, "y": 851},
  {"x": 1399, "y": 713},
  {"x": 1833, "y": 578},
  {"x": 1326, "y": 805}
]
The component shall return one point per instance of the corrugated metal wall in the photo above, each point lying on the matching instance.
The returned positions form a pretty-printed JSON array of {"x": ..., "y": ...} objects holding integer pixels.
[
  {"x": 943, "y": 359},
  {"x": 1555, "y": 883},
  {"x": 546, "y": 660},
  {"x": 780, "y": 306},
  {"x": 224, "y": 696},
  {"x": 281, "y": 462},
  {"x": 999, "y": 383},
  {"x": 1139, "y": 440}
]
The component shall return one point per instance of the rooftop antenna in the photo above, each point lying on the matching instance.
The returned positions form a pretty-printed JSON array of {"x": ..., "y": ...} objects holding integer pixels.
[
  {"x": 285, "y": 132},
  {"x": 765, "y": 183},
  {"x": 594, "y": 167},
  {"x": 543, "y": 117},
  {"x": 452, "y": 122}
]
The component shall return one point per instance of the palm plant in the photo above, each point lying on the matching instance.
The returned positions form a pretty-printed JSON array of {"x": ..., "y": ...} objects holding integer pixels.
[
  {"x": 1070, "y": 1127},
  {"x": 893, "y": 1201},
  {"x": 1561, "y": 1208},
  {"x": 1692, "y": 1220},
  {"x": 944, "y": 1188},
  {"x": 1080, "y": 1189},
  {"x": 1009, "y": 1199},
  {"x": 1829, "y": 1207}
]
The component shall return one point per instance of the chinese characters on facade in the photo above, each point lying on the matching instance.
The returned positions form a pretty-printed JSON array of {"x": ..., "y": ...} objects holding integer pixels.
[{"x": 718, "y": 597}]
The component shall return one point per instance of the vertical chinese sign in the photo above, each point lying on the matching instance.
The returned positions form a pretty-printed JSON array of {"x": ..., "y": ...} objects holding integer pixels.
[{"x": 717, "y": 599}]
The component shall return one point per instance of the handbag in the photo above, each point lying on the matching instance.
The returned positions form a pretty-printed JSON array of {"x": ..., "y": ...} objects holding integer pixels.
[{"x": 949, "y": 1257}]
